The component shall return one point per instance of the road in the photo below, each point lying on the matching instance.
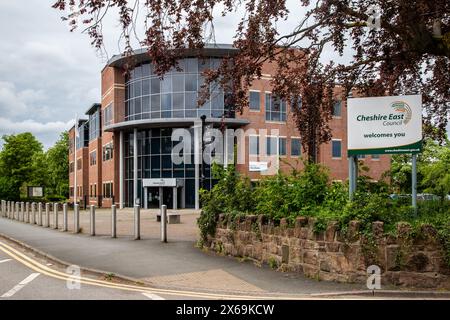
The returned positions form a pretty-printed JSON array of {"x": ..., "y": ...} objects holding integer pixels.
[{"x": 41, "y": 281}]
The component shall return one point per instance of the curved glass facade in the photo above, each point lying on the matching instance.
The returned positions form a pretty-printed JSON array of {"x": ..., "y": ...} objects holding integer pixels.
[
  {"x": 174, "y": 96},
  {"x": 155, "y": 161}
]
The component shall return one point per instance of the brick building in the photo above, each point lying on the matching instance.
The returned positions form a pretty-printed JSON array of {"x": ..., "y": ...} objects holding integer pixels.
[{"x": 124, "y": 147}]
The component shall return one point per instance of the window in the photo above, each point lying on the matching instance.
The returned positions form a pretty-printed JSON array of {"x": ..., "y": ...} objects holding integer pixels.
[
  {"x": 336, "y": 148},
  {"x": 254, "y": 100},
  {"x": 93, "y": 158},
  {"x": 271, "y": 146},
  {"x": 94, "y": 125},
  {"x": 361, "y": 156},
  {"x": 71, "y": 143},
  {"x": 337, "y": 108},
  {"x": 108, "y": 190},
  {"x": 108, "y": 115},
  {"x": 275, "y": 108},
  {"x": 282, "y": 147},
  {"x": 296, "y": 147},
  {"x": 71, "y": 167},
  {"x": 108, "y": 151},
  {"x": 375, "y": 157},
  {"x": 79, "y": 164},
  {"x": 253, "y": 145},
  {"x": 71, "y": 191}
]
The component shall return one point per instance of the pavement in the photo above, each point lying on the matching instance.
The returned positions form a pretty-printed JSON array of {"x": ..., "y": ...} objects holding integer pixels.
[{"x": 176, "y": 265}]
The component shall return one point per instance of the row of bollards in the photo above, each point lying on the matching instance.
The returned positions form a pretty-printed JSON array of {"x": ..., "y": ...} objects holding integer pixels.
[
  {"x": 26, "y": 212},
  {"x": 21, "y": 211}
]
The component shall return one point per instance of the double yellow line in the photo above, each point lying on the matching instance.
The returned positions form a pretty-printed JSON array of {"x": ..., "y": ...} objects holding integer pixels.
[{"x": 38, "y": 267}]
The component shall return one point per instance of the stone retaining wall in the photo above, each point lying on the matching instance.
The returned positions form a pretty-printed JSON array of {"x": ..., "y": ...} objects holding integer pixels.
[{"x": 405, "y": 260}]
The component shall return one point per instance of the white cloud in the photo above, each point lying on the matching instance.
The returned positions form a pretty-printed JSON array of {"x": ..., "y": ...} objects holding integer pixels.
[{"x": 30, "y": 125}]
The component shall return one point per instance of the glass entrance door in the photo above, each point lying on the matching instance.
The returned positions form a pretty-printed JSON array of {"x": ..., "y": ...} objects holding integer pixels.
[
  {"x": 168, "y": 197},
  {"x": 153, "y": 197}
]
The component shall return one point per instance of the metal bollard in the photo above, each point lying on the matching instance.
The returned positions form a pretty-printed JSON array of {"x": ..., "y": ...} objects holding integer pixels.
[
  {"x": 113, "y": 221},
  {"x": 47, "y": 215},
  {"x": 33, "y": 213},
  {"x": 22, "y": 210},
  {"x": 40, "y": 213},
  {"x": 137, "y": 222},
  {"x": 65, "y": 217},
  {"x": 27, "y": 212},
  {"x": 163, "y": 223},
  {"x": 92, "y": 210},
  {"x": 55, "y": 215},
  {"x": 76, "y": 218}
]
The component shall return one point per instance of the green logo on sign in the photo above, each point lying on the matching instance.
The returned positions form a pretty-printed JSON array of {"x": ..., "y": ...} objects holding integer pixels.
[{"x": 404, "y": 108}]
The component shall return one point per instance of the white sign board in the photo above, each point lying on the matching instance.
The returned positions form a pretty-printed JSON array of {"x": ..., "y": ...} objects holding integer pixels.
[
  {"x": 35, "y": 192},
  {"x": 164, "y": 182},
  {"x": 255, "y": 166},
  {"x": 380, "y": 125}
]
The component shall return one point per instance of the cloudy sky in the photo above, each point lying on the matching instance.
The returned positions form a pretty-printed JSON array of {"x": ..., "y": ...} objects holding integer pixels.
[{"x": 48, "y": 74}]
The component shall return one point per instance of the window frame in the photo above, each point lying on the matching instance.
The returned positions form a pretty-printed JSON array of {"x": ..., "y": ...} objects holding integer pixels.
[
  {"x": 340, "y": 156},
  {"x": 250, "y": 100}
]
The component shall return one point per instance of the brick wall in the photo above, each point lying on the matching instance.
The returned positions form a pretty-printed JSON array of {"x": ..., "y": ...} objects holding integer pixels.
[{"x": 329, "y": 255}]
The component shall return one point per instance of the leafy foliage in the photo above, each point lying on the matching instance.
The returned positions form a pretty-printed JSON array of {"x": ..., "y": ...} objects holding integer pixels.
[
  {"x": 408, "y": 52},
  {"x": 308, "y": 193},
  {"x": 23, "y": 162}
]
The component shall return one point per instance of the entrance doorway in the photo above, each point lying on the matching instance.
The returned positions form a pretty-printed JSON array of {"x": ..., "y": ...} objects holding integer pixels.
[{"x": 166, "y": 194}]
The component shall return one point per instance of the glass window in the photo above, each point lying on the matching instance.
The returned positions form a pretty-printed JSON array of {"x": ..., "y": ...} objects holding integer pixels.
[
  {"x": 375, "y": 157},
  {"x": 253, "y": 145},
  {"x": 146, "y": 104},
  {"x": 337, "y": 108},
  {"x": 190, "y": 83},
  {"x": 271, "y": 146},
  {"x": 108, "y": 151},
  {"x": 155, "y": 85},
  {"x": 146, "y": 70},
  {"x": 191, "y": 100},
  {"x": 166, "y": 105},
  {"x": 156, "y": 145},
  {"x": 145, "y": 87},
  {"x": 191, "y": 65},
  {"x": 282, "y": 146},
  {"x": 93, "y": 158},
  {"x": 254, "y": 100},
  {"x": 178, "y": 101},
  {"x": 178, "y": 83},
  {"x": 156, "y": 104},
  {"x": 137, "y": 88},
  {"x": 336, "y": 148},
  {"x": 296, "y": 147},
  {"x": 275, "y": 108},
  {"x": 137, "y": 106},
  {"x": 361, "y": 156},
  {"x": 166, "y": 84}
]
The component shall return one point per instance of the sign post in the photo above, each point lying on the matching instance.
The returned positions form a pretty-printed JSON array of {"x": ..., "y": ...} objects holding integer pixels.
[{"x": 384, "y": 125}]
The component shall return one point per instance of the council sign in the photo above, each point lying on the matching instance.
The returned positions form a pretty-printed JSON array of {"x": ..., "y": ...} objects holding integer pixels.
[{"x": 384, "y": 125}]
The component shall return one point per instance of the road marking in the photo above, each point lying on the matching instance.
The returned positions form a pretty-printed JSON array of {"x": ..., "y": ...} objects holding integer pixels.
[
  {"x": 22, "y": 284},
  {"x": 36, "y": 266},
  {"x": 6, "y": 260},
  {"x": 152, "y": 296}
]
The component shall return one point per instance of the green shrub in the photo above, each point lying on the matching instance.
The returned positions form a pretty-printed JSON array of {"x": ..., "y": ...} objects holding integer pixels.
[{"x": 308, "y": 193}]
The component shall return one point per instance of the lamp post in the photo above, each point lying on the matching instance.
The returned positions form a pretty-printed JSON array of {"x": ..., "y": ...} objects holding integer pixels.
[{"x": 202, "y": 167}]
